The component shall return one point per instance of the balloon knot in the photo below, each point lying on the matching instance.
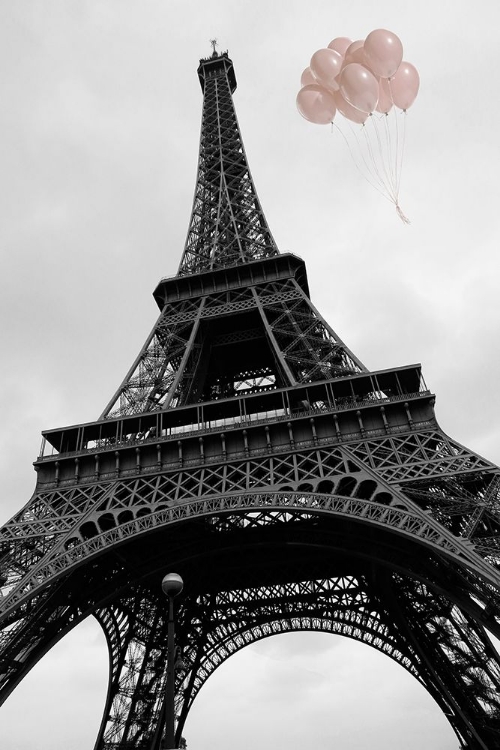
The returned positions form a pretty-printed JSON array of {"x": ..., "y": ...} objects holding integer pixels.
[{"x": 401, "y": 215}]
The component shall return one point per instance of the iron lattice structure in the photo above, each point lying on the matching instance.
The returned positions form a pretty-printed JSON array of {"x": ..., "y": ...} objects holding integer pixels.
[{"x": 293, "y": 489}]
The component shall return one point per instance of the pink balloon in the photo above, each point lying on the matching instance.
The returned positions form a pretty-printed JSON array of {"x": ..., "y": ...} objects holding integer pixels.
[
  {"x": 326, "y": 65},
  {"x": 307, "y": 77},
  {"x": 349, "y": 112},
  {"x": 352, "y": 48},
  {"x": 358, "y": 55},
  {"x": 359, "y": 87},
  {"x": 404, "y": 85},
  {"x": 316, "y": 104},
  {"x": 384, "y": 52},
  {"x": 340, "y": 44},
  {"x": 385, "y": 102}
]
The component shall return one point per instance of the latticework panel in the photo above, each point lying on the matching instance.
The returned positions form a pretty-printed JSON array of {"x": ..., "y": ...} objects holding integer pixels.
[
  {"x": 30, "y": 630},
  {"x": 169, "y": 370},
  {"x": 469, "y": 505},
  {"x": 154, "y": 372},
  {"x": 311, "y": 349},
  {"x": 136, "y": 631},
  {"x": 227, "y": 222},
  {"x": 417, "y": 456},
  {"x": 33, "y": 534}
]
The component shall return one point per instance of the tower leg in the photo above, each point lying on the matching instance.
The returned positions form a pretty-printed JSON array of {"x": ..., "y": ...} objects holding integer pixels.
[
  {"x": 136, "y": 632},
  {"x": 459, "y": 665}
]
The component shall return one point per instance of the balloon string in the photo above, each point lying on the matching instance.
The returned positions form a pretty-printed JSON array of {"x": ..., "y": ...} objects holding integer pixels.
[
  {"x": 370, "y": 153},
  {"x": 360, "y": 150},
  {"x": 398, "y": 164},
  {"x": 388, "y": 146},
  {"x": 363, "y": 175},
  {"x": 389, "y": 163},
  {"x": 385, "y": 162},
  {"x": 385, "y": 184},
  {"x": 394, "y": 144},
  {"x": 396, "y": 149},
  {"x": 402, "y": 148},
  {"x": 399, "y": 152},
  {"x": 372, "y": 167}
]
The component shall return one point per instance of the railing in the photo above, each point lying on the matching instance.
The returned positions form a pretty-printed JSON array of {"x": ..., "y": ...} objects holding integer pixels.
[
  {"x": 244, "y": 454},
  {"x": 237, "y": 422}
]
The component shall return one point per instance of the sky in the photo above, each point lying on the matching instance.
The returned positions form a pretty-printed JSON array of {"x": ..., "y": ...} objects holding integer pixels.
[{"x": 100, "y": 111}]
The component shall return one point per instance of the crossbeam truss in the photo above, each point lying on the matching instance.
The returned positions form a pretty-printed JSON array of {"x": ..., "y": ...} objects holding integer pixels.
[{"x": 368, "y": 520}]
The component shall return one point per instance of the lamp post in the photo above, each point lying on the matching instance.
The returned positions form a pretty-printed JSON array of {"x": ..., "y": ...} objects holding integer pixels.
[{"x": 172, "y": 584}]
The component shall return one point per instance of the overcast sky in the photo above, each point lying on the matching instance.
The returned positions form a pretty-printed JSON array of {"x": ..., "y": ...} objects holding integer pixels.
[{"x": 100, "y": 111}]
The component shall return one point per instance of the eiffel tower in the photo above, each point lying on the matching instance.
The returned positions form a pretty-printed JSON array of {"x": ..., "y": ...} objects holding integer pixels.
[{"x": 249, "y": 450}]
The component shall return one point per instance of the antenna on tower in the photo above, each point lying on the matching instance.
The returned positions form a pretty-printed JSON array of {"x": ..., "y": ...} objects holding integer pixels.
[{"x": 213, "y": 42}]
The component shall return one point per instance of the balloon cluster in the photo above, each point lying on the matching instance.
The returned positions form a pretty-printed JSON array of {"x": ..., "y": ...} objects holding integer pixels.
[{"x": 357, "y": 79}]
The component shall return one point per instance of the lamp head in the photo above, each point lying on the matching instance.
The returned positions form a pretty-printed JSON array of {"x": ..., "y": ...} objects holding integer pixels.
[{"x": 172, "y": 584}]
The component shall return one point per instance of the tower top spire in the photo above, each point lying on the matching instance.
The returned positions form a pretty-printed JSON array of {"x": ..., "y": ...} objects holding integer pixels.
[{"x": 227, "y": 225}]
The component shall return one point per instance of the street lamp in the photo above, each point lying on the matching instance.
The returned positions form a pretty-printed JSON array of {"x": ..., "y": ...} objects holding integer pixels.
[{"x": 172, "y": 584}]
